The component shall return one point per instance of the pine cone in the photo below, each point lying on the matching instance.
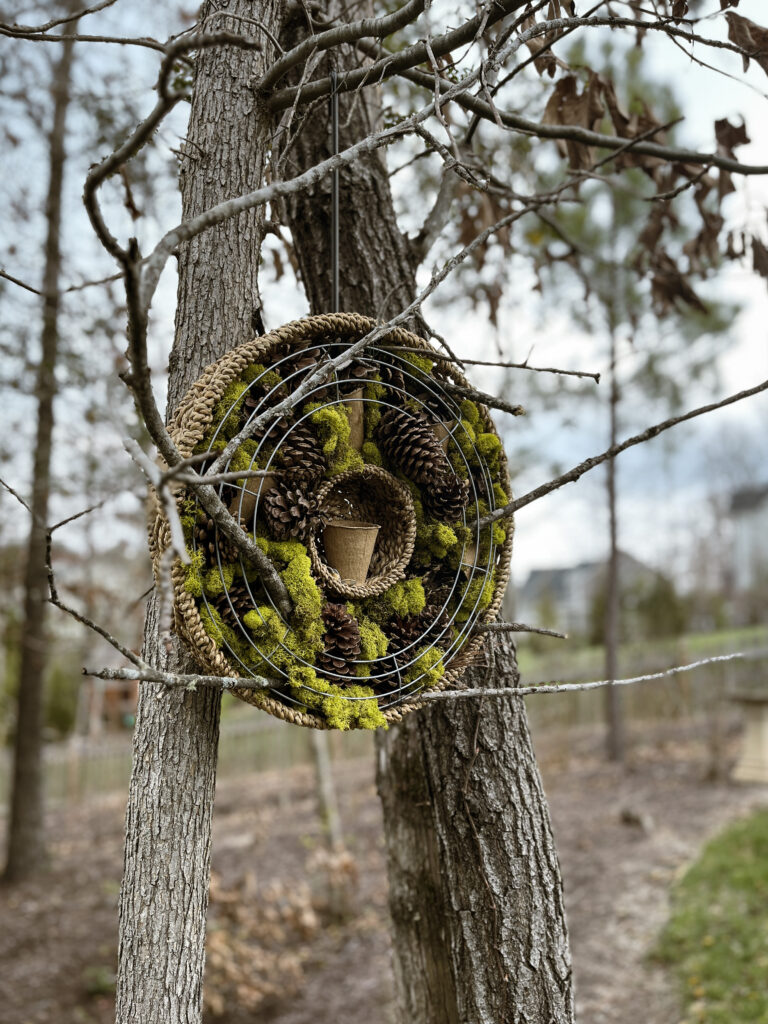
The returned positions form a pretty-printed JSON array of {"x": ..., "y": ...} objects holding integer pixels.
[
  {"x": 208, "y": 538},
  {"x": 289, "y": 513},
  {"x": 302, "y": 457},
  {"x": 233, "y": 604},
  {"x": 447, "y": 498},
  {"x": 409, "y": 443},
  {"x": 393, "y": 377},
  {"x": 425, "y": 628},
  {"x": 342, "y": 642}
]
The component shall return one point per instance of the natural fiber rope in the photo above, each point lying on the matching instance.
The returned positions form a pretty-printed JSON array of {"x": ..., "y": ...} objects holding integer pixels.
[{"x": 188, "y": 427}]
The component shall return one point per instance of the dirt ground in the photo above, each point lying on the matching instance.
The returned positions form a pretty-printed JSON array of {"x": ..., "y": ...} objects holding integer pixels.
[{"x": 280, "y": 952}]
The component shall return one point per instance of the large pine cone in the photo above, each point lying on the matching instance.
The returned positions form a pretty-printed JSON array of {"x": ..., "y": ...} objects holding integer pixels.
[
  {"x": 302, "y": 458},
  {"x": 447, "y": 498},
  {"x": 290, "y": 513},
  {"x": 208, "y": 539},
  {"x": 342, "y": 642},
  {"x": 409, "y": 442}
]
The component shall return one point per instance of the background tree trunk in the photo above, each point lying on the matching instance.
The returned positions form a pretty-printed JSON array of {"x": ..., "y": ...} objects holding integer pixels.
[
  {"x": 475, "y": 891},
  {"x": 26, "y": 839},
  {"x": 164, "y": 896},
  {"x": 614, "y": 717}
]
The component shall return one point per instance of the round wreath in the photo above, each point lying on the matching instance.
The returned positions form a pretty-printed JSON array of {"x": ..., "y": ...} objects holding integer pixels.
[{"x": 369, "y": 509}]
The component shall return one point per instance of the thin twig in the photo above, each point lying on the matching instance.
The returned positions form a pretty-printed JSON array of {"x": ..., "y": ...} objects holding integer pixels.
[
  {"x": 517, "y": 627},
  {"x": 584, "y": 467},
  {"x": 500, "y": 363},
  {"x": 547, "y": 687}
]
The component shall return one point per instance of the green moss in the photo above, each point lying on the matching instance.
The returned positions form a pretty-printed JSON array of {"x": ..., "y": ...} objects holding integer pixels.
[
  {"x": 422, "y": 363},
  {"x": 332, "y": 425},
  {"x": 302, "y": 589},
  {"x": 258, "y": 372},
  {"x": 193, "y": 583},
  {"x": 477, "y": 596},
  {"x": 280, "y": 551},
  {"x": 428, "y": 667},
  {"x": 404, "y": 598},
  {"x": 500, "y": 495},
  {"x": 217, "y": 582},
  {"x": 470, "y": 412},
  {"x": 371, "y": 454},
  {"x": 223, "y": 635},
  {"x": 244, "y": 456},
  {"x": 373, "y": 642},
  {"x": 227, "y": 411},
  {"x": 333, "y": 703},
  {"x": 489, "y": 446}
]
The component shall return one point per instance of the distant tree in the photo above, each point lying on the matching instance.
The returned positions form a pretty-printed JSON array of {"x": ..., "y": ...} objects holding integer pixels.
[{"x": 26, "y": 844}]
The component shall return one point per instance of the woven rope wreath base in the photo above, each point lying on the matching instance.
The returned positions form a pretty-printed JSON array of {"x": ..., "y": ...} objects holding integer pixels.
[{"x": 427, "y": 466}]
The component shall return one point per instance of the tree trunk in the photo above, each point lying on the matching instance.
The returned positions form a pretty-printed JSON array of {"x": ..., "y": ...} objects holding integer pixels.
[
  {"x": 614, "y": 739},
  {"x": 164, "y": 896},
  {"x": 26, "y": 839},
  {"x": 475, "y": 890}
]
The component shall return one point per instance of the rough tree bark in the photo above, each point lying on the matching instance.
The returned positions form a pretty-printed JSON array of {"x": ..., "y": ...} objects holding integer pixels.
[
  {"x": 164, "y": 895},
  {"x": 475, "y": 889},
  {"x": 26, "y": 839}
]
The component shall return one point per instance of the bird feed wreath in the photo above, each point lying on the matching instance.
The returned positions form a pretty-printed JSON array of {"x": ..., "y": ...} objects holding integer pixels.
[{"x": 369, "y": 511}]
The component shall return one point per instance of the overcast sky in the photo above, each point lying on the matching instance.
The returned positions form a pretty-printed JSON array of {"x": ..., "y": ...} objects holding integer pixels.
[{"x": 665, "y": 486}]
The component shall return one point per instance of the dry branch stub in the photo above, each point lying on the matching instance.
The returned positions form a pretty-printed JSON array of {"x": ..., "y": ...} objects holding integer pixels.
[{"x": 370, "y": 516}]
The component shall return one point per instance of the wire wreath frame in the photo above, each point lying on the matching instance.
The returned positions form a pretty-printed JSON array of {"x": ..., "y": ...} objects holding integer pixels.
[{"x": 331, "y": 334}]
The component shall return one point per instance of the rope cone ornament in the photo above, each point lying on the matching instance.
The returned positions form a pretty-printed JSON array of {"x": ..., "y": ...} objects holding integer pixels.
[
  {"x": 357, "y": 458},
  {"x": 410, "y": 444}
]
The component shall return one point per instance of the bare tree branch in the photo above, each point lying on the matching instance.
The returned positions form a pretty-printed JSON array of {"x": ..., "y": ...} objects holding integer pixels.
[
  {"x": 596, "y": 460},
  {"x": 536, "y": 688},
  {"x": 377, "y": 28}
]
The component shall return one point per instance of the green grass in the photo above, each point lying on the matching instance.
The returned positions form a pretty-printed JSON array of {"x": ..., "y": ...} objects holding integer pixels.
[{"x": 716, "y": 940}]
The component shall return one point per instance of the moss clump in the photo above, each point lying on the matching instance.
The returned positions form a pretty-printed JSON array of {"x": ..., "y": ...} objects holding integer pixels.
[
  {"x": 404, "y": 598},
  {"x": 423, "y": 363},
  {"x": 217, "y": 581},
  {"x": 268, "y": 379},
  {"x": 433, "y": 540},
  {"x": 193, "y": 584},
  {"x": 228, "y": 410},
  {"x": 489, "y": 447},
  {"x": 332, "y": 425},
  {"x": 371, "y": 454},
  {"x": 470, "y": 412},
  {"x": 477, "y": 596},
  {"x": 428, "y": 668},
  {"x": 373, "y": 642},
  {"x": 244, "y": 457},
  {"x": 374, "y": 392},
  {"x": 333, "y": 701},
  {"x": 500, "y": 496}
]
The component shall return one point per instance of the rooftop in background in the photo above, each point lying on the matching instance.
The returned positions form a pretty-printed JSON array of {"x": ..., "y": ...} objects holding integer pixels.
[{"x": 748, "y": 498}]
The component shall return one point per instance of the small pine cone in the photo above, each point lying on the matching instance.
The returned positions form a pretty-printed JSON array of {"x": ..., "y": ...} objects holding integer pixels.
[
  {"x": 208, "y": 539},
  {"x": 417, "y": 630},
  {"x": 290, "y": 514},
  {"x": 302, "y": 458},
  {"x": 410, "y": 443},
  {"x": 402, "y": 631},
  {"x": 234, "y": 603},
  {"x": 392, "y": 377},
  {"x": 342, "y": 642},
  {"x": 447, "y": 498}
]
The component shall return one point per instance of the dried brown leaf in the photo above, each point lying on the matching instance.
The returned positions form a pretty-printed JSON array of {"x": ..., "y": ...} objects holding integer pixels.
[
  {"x": 750, "y": 37},
  {"x": 567, "y": 106},
  {"x": 759, "y": 258},
  {"x": 729, "y": 136}
]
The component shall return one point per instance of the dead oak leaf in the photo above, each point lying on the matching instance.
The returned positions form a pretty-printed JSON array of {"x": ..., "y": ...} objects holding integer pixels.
[{"x": 752, "y": 38}]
